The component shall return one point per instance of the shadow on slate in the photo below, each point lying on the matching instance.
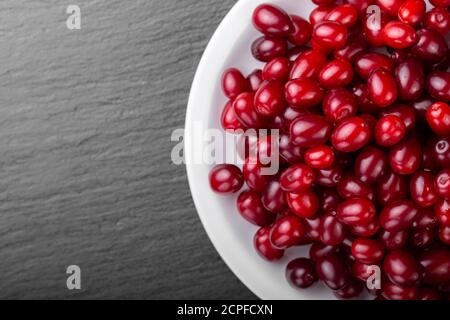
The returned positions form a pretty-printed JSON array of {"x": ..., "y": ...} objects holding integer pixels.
[{"x": 85, "y": 176}]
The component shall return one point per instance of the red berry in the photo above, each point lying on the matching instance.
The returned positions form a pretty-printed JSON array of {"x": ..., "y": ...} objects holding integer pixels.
[
  {"x": 297, "y": 178},
  {"x": 310, "y": 131},
  {"x": 304, "y": 204},
  {"x": 320, "y": 157},
  {"x": 272, "y": 20},
  {"x": 335, "y": 74},
  {"x": 382, "y": 88},
  {"x": 356, "y": 211},
  {"x": 226, "y": 178},
  {"x": 399, "y": 35},
  {"x": 287, "y": 232},
  {"x": 251, "y": 209},
  {"x": 301, "y": 32},
  {"x": 330, "y": 35},
  {"x": 412, "y": 12},
  {"x": 389, "y": 131},
  {"x": 351, "y": 134},
  {"x": 301, "y": 273},
  {"x": 368, "y": 251},
  {"x": 438, "y": 117},
  {"x": 269, "y": 99},
  {"x": 234, "y": 83},
  {"x": 264, "y": 247}
]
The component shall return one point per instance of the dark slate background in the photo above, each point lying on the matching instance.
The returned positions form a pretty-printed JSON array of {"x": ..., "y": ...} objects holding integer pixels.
[{"x": 85, "y": 176}]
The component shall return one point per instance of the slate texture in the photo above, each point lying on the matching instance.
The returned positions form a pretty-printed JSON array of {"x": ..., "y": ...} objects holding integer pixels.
[{"x": 85, "y": 172}]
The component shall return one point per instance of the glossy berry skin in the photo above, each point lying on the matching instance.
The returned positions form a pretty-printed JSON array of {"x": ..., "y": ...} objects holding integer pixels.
[
  {"x": 439, "y": 20},
  {"x": 273, "y": 197},
  {"x": 272, "y": 20},
  {"x": 330, "y": 199},
  {"x": 438, "y": 118},
  {"x": 297, "y": 178},
  {"x": 303, "y": 93},
  {"x": 412, "y": 12},
  {"x": 404, "y": 112},
  {"x": 265, "y": 249},
  {"x": 444, "y": 234},
  {"x": 287, "y": 232},
  {"x": 351, "y": 134},
  {"x": 438, "y": 85},
  {"x": 398, "y": 215},
  {"x": 255, "y": 79},
  {"x": 310, "y": 131},
  {"x": 253, "y": 175},
  {"x": 328, "y": 177},
  {"x": 390, "y": 6},
  {"x": 368, "y": 251},
  {"x": 245, "y": 111},
  {"x": 356, "y": 211},
  {"x": 394, "y": 240},
  {"x": 301, "y": 273},
  {"x": 427, "y": 294},
  {"x": 330, "y": 35},
  {"x": 251, "y": 209},
  {"x": 402, "y": 268},
  {"x": 337, "y": 73},
  {"x": 332, "y": 270},
  {"x": 356, "y": 46},
  {"x": 393, "y": 291},
  {"x": 346, "y": 15},
  {"x": 373, "y": 26},
  {"x": 350, "y": 291},
  {"x": 302, "y": 31},
  {"x": 436, "y": 266},
  {"x": 442, "y": 183},
  {"x": 229, "y": 120},
  {"x": 320, "y": 157},
  {"x": 319, "y": 14},
  {"x": 318, "y": 250},
  {"x": 362, "y": 271},
  {"x": 234, "y": 83},
  {"x": 331, "y": 231},
  {"x": 226, "y": 179},
  {"x": 267, "y": 48},
  {"x": 392, "y": 187},
  {"x": 351, "y": 187},
  {"x": 422, "y": 189},
  {"x": 442, "y": 210},
  {"x": 308, "y": 65},
  {"x": 361, "y": 94},
  {"x": 304, "y": 204},
  {"x": 367, "y": 231},
  {"x": 441, "y": 152},
  {"x": 425, "y": 219},
  {"x": 276, "y": 69},
  {"x": 440, "y": 3},
  {"x": 371, "y": 164},
  {"x": 399, "y": 35},
  {"x": 406, "y": 157},
  {"x": 269, "y": 99},
  {"x": 339, "y": 104},
  {"x": 382, "y": 88},
  {"x": 369, "y": 62},
  {"x": 410, "y": 79},
  {"x": 288, "y": 151},
  {"x": 422, "y": 238},
  {"x": 389, "y": 131},
  {"x": 431, "y": 45}
]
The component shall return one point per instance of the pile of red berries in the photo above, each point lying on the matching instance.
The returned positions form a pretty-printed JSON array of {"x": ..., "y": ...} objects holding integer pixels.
[{"x": 364, "y": 144}]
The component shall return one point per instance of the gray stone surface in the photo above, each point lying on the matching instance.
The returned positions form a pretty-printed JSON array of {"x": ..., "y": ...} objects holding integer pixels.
[{"x": 85, "y": 172}]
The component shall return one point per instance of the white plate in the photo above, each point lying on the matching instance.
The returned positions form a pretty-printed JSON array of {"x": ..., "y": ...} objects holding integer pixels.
[{"x": 230, "y": 234}]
